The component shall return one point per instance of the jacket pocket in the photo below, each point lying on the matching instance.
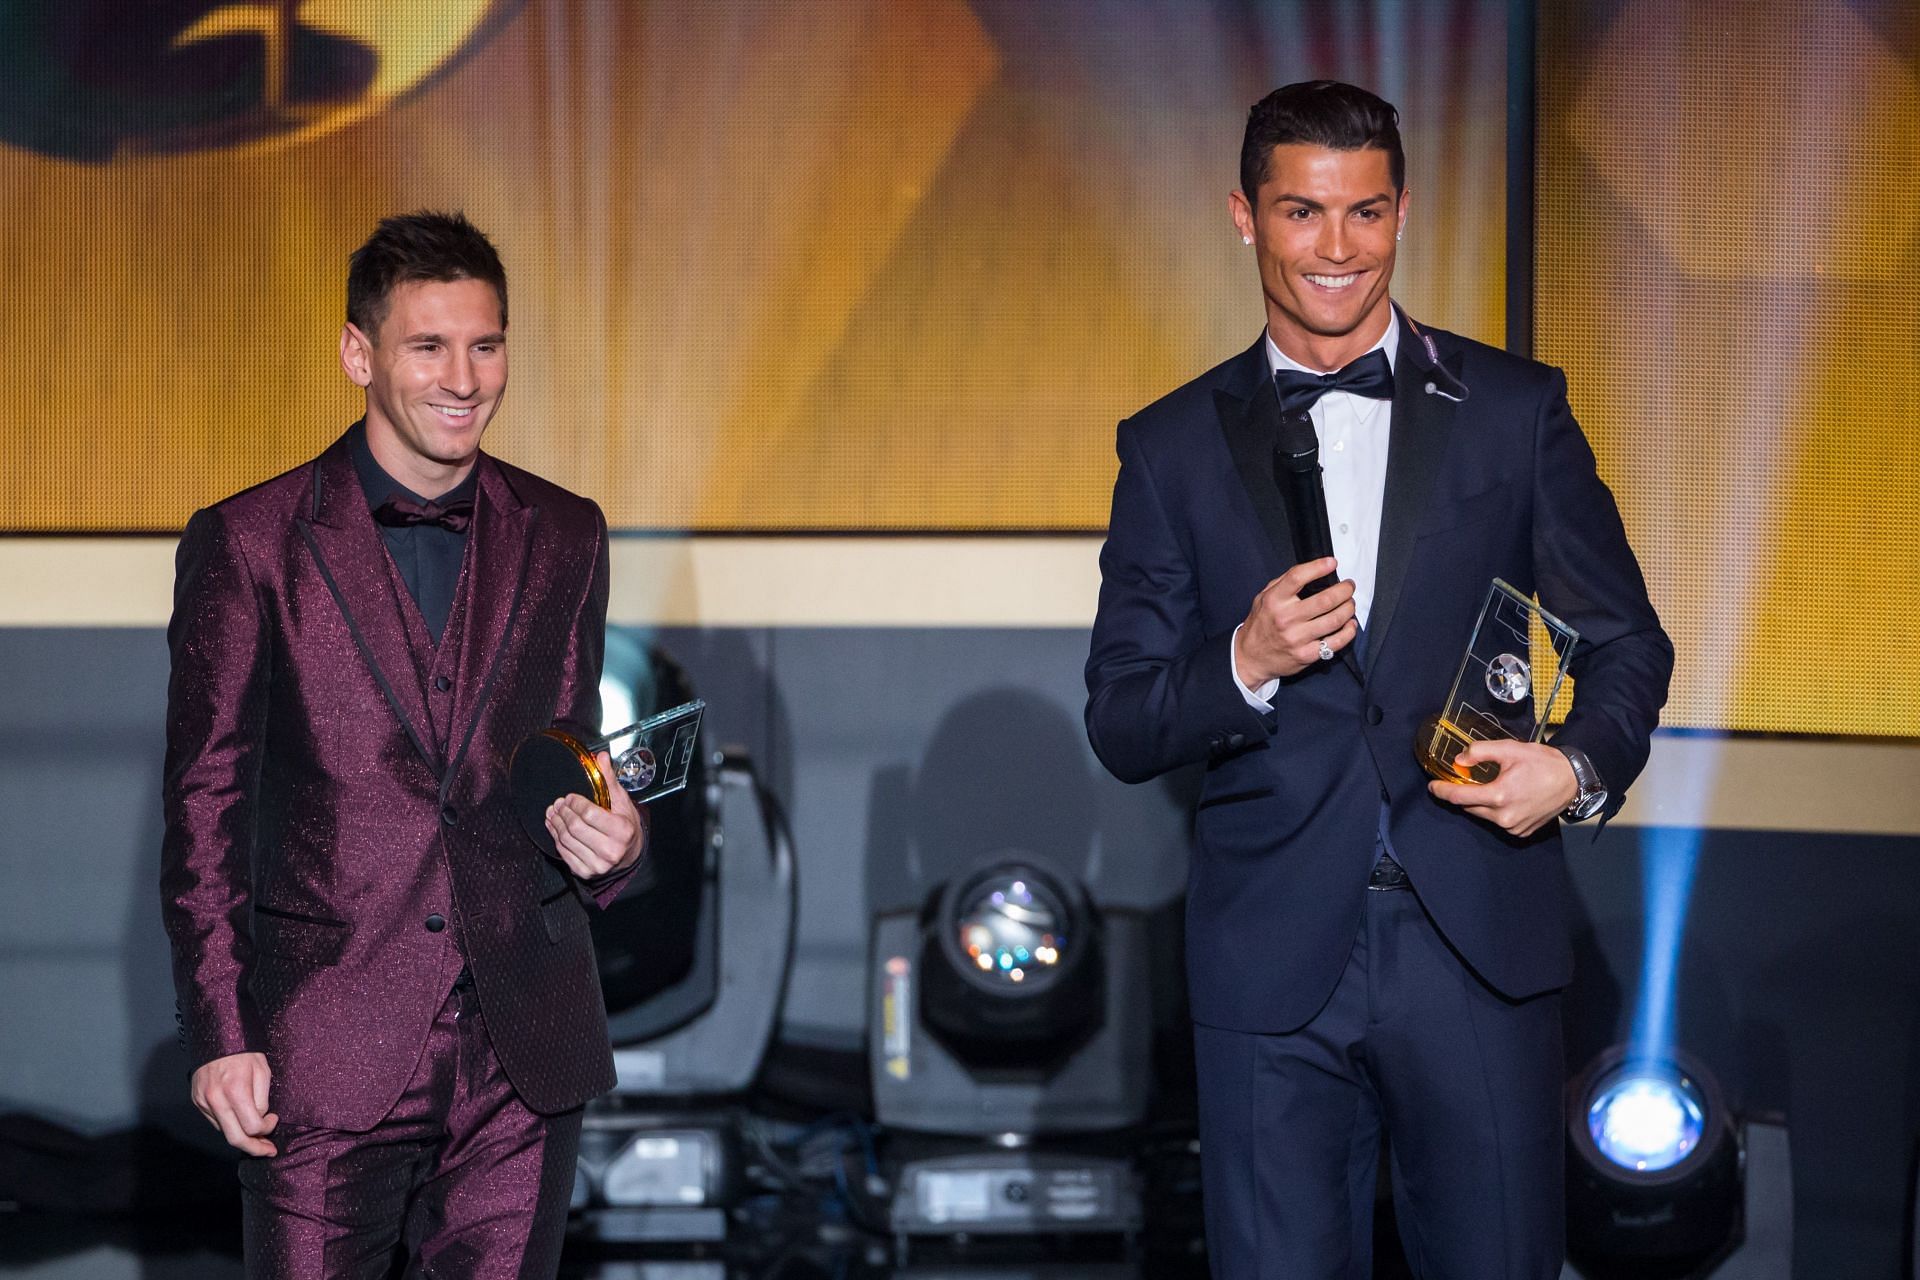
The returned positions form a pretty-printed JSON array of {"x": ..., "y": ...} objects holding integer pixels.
[
  {"x": 562, "y": 916},
  {"x": 1234, "y": 797},
  {"x": 292, "y": 936}
]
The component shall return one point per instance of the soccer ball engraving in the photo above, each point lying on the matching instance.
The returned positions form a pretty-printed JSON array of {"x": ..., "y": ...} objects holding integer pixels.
[
  {"x": 1509, "y": 678},
  {"x": 636, "y": 768}
]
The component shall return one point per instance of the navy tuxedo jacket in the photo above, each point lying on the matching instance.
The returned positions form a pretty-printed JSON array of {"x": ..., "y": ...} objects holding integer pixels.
[
  {"x": 1501, "y": 484},
  {"x": 315, "y": 818}
]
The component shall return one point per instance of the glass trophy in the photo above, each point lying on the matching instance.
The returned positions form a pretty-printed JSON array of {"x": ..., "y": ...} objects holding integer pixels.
[
  {"x": 651, "y": 759},
  {"x": 1508, "y": 681}
]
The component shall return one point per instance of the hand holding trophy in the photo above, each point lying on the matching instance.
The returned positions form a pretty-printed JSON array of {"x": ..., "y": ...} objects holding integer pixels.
[
  {"x": 1502, "y": 689},
  {"x": 651, "y": 759}
]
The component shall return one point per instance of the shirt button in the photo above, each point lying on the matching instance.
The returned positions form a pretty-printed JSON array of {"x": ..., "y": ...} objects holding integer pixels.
[
  {"x": 442, "y": 683},
  {"x": 1343, "y": 528},
  {"x": 449, "y": 815},
  {"x": 1339, "y": 446},
  {"x": 436, "y": 922}
]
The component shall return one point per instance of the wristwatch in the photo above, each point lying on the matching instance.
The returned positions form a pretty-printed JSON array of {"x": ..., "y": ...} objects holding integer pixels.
[{"x": 1592, "y": 796}]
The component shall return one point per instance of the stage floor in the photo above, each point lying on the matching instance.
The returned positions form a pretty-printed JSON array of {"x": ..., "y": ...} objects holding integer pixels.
[{"x": 48, "y": 1247}]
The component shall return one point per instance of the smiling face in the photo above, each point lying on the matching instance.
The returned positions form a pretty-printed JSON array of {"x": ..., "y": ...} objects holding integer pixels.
[
  {"x": 433, "y": 379},
  {"x": 1323, "y": 227}
]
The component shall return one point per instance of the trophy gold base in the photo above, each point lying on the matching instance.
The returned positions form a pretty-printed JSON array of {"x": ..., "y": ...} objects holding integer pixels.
[
  {"x": 1438, "y": 745},
  {"x": 552, "y": 763},
  {"x": 545, "y": 766}
]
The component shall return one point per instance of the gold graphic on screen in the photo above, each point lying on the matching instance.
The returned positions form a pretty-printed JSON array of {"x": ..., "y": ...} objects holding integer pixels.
[
  {"x": 889, "y": 265},
  {"x": 97, "y": 81}
]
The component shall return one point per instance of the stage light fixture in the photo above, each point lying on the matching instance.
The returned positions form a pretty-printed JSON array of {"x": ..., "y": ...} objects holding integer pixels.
[
  {"x": 690, "y": 1020},
  {"x": 655, "y": 943},
  {"x": 1011, "y": 966},
  {"x": 1010, "y": 1008},
  {"x": 666, "y": 1166},
  {"x": 1646, "y": 1118},
  {"x": 1664, "y": 1182},
  {"x": 663, "y": 1178}
]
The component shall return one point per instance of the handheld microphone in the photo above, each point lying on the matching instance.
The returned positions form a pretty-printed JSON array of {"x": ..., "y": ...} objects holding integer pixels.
[{"x": 1296, "y": 469}]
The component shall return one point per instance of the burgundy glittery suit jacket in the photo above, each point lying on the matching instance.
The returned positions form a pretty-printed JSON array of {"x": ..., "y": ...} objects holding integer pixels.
[{"x": 337, "y": 824}]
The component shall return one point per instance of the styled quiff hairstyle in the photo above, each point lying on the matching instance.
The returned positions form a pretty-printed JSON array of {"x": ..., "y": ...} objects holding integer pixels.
[
  {"x": 415, "y": 247},
  {"x": 1320, "y": 113}
]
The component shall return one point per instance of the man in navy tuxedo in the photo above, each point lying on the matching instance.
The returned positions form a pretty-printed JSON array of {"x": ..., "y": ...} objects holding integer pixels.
[{"x": 1368, "y": 951}]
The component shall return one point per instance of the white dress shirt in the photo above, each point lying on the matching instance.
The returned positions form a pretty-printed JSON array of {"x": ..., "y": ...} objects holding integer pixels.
[{"x": 1352, "y": 431}]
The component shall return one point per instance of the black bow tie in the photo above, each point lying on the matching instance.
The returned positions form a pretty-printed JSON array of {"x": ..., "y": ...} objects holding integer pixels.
[
  {"x": 403, "y": 513},
  {"x": 1369, "y": 376}
]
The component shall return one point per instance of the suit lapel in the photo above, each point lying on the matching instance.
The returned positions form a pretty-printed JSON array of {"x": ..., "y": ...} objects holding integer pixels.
[
  {"x": 1423, "y": 421},
  {"x": 1250, "y": 418},
  {"x": 1249, "y": 409},
  {"x": 352, "y": 560},
  {"x": 495, "y": 573}
]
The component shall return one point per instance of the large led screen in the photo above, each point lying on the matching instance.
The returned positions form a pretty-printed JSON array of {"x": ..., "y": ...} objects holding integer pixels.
[
  {"x": 891, "y": 265},
  {"x": 1728, "y": 238}
]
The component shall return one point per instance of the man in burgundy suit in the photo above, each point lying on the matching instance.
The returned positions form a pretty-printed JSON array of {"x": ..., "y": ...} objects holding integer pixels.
[{"x": 389, "y": 994}]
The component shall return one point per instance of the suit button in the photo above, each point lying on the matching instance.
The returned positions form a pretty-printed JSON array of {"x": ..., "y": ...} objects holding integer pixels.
[
  {"x": 436, "y": 922},
  {"x": 442, "y": 683},
  {"x": 1375, "y": 715},
  {"x": 449, "y": 815},
  {"x": 1237, "y": 740}
]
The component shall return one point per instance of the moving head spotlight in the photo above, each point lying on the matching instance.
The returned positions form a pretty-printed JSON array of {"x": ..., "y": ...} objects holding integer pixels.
[
  {"x": 693, "y": 964},
  {"x": 1008, "y": 1008},
  {"x": 1009, "y": 1005},
  {"x": 654, "y": 944},
  {"x": 1647, "y": 1119},
  {"x": 1010, "y": 967},
  {"x": 1010, "y": 1015},
  {"x": 1663, "y": 1182}
]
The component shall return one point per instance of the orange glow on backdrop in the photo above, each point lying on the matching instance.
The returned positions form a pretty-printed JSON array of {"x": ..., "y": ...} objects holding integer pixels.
[
  {"x": 1725, "y": 255},
  {"x": 886, "y": 265}
]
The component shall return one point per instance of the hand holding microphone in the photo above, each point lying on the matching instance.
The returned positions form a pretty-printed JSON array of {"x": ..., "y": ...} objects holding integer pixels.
[
  {"x": 1286, "y": 632},
  {"x": 1306, "y": 615}
]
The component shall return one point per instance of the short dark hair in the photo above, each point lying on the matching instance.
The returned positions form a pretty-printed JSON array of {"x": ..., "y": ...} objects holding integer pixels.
[
  {"x": 411, "y": 247},
  {"x": 1321, "y": 113}
]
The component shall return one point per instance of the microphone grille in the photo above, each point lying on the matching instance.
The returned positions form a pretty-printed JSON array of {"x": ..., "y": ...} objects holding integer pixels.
[{"x": 1298, "y": 448}]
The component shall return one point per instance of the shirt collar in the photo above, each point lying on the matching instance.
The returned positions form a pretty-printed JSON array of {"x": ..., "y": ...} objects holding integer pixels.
[
  {"x": 1389, "y": 342},
  {"x": 379, "y": 486}
]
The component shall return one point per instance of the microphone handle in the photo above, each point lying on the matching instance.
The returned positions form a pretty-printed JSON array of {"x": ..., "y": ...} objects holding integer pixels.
[{"x": 1306, "y": 513}]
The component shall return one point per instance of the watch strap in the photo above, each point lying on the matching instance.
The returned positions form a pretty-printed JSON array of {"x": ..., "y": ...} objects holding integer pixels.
[{"x": 1592, "y": 795}]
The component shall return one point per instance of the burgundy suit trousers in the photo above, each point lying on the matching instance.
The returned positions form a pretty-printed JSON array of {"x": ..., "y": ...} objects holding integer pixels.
[{"x": 460, "y": 1175}]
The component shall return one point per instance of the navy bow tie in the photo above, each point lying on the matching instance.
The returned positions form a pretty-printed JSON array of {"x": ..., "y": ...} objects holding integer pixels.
[
  {"x": 401, "y": 513},
  {"x": 1369, "y": 376}
]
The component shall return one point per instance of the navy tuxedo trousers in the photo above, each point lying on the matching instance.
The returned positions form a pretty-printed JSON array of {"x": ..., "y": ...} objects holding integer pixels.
[{"x": 1464, "y": 1082}]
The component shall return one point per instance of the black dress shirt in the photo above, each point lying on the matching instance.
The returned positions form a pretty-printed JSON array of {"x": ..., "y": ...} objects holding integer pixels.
[{"x": 427, "y": 555}]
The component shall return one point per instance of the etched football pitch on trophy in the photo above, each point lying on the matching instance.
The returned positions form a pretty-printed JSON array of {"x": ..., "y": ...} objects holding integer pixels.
[
  {"x": 650, "y": 759},
  {"x": 1507, "y": 683}
]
